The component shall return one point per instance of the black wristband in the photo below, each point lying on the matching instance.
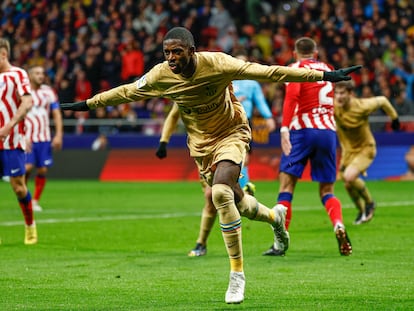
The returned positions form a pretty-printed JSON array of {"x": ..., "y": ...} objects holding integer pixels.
[{"x": 78, "y": 106}]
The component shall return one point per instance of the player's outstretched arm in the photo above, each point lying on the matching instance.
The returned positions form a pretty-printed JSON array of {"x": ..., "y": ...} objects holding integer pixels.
[
  {"x": 340, "y": 75},
  {"x": 78, "y": 106}
]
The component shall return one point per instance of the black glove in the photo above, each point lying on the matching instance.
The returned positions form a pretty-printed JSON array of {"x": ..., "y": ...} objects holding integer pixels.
[
  {"x": 395, "y": 124},
  {"x": 339, "y": 75},
  {"x": 78, "y": 106},
  {"x": 162, "y": 150}
]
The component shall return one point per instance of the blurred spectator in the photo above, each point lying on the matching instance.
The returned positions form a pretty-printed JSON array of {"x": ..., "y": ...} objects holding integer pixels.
[
  {"x": 108, "y": 37},
  {"x": 132, "y": 64},
  {"x": 110, "y": 69},
  {"x": 83, "y": 87},
  {"x": 406, "y": 72},
  {"x": 403, "y": 105}
]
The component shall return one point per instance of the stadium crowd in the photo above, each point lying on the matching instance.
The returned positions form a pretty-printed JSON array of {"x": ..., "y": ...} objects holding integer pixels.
[{"x": 87, "y": 46}]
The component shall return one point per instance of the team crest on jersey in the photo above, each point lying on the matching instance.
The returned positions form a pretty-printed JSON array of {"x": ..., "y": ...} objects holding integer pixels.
[{"x": 211, "y": 90}]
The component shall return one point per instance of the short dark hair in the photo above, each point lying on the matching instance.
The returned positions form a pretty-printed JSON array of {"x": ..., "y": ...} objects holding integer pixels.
[
  {"x": 305, "y": 46},
  {"x": 182, "y": 34}
]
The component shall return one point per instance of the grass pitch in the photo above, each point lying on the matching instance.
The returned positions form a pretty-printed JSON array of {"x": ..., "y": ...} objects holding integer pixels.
[{"x": 123, "y": 246}]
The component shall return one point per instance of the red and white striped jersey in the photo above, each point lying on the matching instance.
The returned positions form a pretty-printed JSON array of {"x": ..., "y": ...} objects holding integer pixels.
[
  {"x": 309, "y": 104},
  {"x": 37, "y": 119},
  {"x": 13, "y": 84}
]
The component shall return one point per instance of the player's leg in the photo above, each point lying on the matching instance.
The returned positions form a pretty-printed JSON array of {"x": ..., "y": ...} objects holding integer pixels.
[
  {"x": 29, "y": 169},
  {"x": 355, "y": 196},
  {"x": 334, "y": 210},
  {"x": 224, "y": 197},
  {"x": 251, "y": 208},
  {"x": 40, "y": 183},
  {"x": 208, "y": 218},
  {"x": 244, "y": 179},
  {"x": 43, "y": 160},
  {"x": 225, "y": 178},
  {"x": 351, "y": 176},
  {"x": 291, "y": 169},
  {"x": 226, "y": 191},
  {"x": 14, "y": 162},
  {"x": 287, "y": 183},
  {"x": 323, "y": 170}
]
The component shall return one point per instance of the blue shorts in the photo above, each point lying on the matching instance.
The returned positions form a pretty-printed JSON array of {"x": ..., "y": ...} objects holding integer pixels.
[
  {"x": 41, "y": 155},
  {"x": 318, "y": 146},
  {"x": 12, "y": 162}
]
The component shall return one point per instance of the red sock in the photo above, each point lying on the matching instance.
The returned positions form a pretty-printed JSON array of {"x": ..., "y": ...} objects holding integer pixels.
[
  {"x": 288, "y": 212},
  {"x": 334, "y": 209},
  {"x": 40, "y": 182},
  {"x": 26, "y": 207}
]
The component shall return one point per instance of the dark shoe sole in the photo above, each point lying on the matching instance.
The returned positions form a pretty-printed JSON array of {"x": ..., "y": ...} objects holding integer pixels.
[{"x": 345, "y": 247}]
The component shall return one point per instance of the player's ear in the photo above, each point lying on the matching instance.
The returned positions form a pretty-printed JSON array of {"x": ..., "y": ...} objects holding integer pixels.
[{"x": 191, "y": 50}]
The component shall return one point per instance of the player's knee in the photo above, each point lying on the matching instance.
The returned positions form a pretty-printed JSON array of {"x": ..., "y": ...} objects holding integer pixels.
[
  {"x": 20, "y": 190},
  {"x": 221, "y": 195},
  {"x": 42, "y": 171},
  {"x": 348, "y": 180}
]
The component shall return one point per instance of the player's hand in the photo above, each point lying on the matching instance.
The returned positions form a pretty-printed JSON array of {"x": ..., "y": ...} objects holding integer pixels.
[
  {"x": 271, "y": 124},
  {"x": 4, "y": 132},
  {"x": 78, "y": 106},
  {"x": 395, "y": 124},
  {"x": 340, "y": 75},
  {"x": 57, "y": 142},
  {"x": 285, "y": 143},
  {"x": 28, "y": 145},
  {"x": 162, "y": 150}
]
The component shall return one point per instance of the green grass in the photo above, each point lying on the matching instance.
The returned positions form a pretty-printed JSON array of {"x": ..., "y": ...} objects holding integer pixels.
[{"x": 123, "y": 246}]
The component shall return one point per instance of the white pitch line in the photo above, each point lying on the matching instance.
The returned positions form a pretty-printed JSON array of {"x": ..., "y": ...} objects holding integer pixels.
[
  {"x": 172, "y": 215},
  {"x": 101, "y": 218}
]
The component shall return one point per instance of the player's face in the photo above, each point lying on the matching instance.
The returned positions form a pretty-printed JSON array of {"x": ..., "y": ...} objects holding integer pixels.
[
  {"x": 37, "y": 76},
  {"x": 179, "y": 57},
  {"x": 342, "y": 96}
]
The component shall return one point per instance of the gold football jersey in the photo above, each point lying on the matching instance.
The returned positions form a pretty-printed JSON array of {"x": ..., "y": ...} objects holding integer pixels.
[
  {"x": 352, "y": 124},
  {"x": 207, "y": 105}
]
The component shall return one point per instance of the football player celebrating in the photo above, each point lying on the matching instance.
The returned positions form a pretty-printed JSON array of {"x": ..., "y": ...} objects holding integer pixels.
[{"x": 217, "y": 128}]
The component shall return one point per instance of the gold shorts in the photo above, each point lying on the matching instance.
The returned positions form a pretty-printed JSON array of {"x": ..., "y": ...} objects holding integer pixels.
[
  {"x": 360, "y": 159},
  {"x": 230, "y": 148}
]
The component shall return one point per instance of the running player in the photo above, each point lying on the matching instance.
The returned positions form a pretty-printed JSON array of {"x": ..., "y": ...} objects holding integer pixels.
[
  {"x": 357, "y": 143},
  {"x": 217, "y": 128},
  {"x": 38, "y": 136},
  {"x": 308, "y": 134},
  {"x": 15, "y": 102}
]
